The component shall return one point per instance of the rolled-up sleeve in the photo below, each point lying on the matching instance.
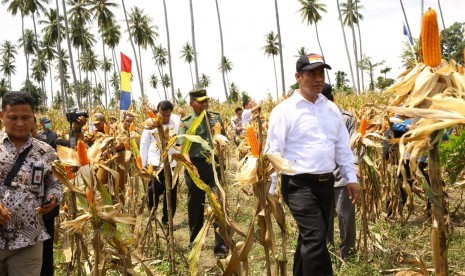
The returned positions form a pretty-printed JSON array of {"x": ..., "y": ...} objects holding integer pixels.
[
  {"x": 277, "y": 131},
  {"x": 144, "y": 146},
  {"x": 344, "y": 155}
]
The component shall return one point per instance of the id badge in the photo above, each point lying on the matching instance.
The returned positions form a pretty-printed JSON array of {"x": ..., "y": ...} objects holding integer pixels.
[{"x": 37, "y": 175}]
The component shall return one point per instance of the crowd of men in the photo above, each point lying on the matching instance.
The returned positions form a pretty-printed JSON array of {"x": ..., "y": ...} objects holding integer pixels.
[{"x": 307, "y": 129}]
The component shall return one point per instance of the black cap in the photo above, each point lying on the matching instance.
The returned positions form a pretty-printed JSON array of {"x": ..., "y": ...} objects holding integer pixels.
[
  {"x": 310, "y": 62},
  {"x": 198, "y": 95},
  {"x": 44, "y": 120},
  {"x": 327, "y": 92}
]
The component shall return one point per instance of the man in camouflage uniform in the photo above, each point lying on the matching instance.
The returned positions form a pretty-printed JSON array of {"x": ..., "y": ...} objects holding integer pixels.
[
  {"x": 198, "y": 157},
  {"x": 99, "y": 122}
]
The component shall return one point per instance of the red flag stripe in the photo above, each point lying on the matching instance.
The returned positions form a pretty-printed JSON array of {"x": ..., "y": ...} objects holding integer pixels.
[{"x": 126, "y": 63}]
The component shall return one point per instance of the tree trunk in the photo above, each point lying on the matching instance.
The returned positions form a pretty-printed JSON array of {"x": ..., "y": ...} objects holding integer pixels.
[
  {"x": 438, "y": 232},
  {"x": 104, "y": 73},
  {"x": 222, "y": 50},
  {"x": 321, "y": 49},
  {"x": 51, "y": 80},
  {"x": 25, "y": 54},
  {"x": 354, "y": 39},
  {"x": 196, "y": 67},
  {"x": 140, "y": 66},
  {"x": 169, "y": 52},
  {"x": 347, "y": 48},
  {"x": 280, "y": 48},
  {"x": 360, "y": 46},
  {"x": 60, "y": 64},
  {"x": 275, "y": 78},
  {"x": 39, "y": 59},
  {"x": 134, "y": 50},
  {"x": 76, "y": 88}
]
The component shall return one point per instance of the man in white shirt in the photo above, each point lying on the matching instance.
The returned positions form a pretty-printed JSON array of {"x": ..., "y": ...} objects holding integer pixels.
[
  {"x": 248, "y": 111},
  {"x": 308, "y": 130},
  {"x": 150, "y": 154}
]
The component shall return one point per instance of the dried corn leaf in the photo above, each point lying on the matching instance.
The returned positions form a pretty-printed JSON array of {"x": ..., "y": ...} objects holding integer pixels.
[
  {"x": 247, "y": 174},
  {"x": 193, "y": 259},
  {"x": 279, "y": 163},
  {"x": 68, "y": 156},
  {"x": 423, "y": 113},
  {"x": 406, "y": 84},
  {"x": 77, "y": 224},
  {"x": 446, "y": 103},
  {"x": 59, "y": 171},
  {"x": 424, "y": 85},
  {"x": 240, "y": 253}
]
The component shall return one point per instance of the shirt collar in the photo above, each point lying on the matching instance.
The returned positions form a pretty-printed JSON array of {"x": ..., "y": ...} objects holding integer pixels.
[
  {"x": 297, "y": 97},
  {"x": 4, "y": 137}
]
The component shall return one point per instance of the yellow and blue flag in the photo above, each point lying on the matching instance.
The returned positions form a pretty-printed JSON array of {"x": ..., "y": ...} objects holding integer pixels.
[{"x": 125, "y": 99}]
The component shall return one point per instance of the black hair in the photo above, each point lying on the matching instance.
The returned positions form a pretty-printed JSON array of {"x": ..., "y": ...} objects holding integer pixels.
[
  {"x": 237, "y": 109},
  {"x": 245, "y": 102},
  {"x": 165, "y": 105},
  {"x": 13, "y": 98}
]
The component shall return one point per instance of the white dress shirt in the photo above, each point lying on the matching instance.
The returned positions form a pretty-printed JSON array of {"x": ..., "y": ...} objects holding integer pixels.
[
  {"x": 149, "y": 151},
  {"x": 246, "y": 116},
  {"x": 312, "y": 137}
]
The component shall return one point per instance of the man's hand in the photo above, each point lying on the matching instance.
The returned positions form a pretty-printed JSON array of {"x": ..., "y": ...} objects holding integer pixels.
[
  {"x": 79, "y": 123},
  {"x": 5, "y": 214},
  {"x": 352, "y": 189},
  {"x": 48, "y": 205}
]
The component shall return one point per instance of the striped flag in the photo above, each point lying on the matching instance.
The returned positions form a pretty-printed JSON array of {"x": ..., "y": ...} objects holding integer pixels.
[{"x": 125, "y": 99}]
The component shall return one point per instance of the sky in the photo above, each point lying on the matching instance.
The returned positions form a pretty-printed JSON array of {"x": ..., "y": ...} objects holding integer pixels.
[{"x": 245, "y": 25}]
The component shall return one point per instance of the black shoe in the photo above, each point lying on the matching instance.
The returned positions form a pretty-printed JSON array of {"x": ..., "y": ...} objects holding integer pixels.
[{"x": 220, "y": 251}]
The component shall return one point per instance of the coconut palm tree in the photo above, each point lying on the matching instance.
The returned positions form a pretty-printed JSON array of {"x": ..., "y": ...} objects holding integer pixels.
[
  {"x": 187, "y": 53},
  {"x": 226, "y": 67},
  {"x": 142, "y": 32},
  {"x": 204, "y": 81},
  {"x": 105, "y": 19},
  {"x": 193, "y": 43},
  {"x": 89, "y": 63},
  {"x": 222, "y": 48},
  {"x": 310, "y": 13},
  {"x": 48, "y": 48},
  {"x": 50, "y": 29},
  {"x": 169, "y": 50},
  {"x": 302, "y": 51},
  {"x": 50, "y": 40},
  {"x": 8, "y": 57},
  {"x": 154, "y": 81},
  {"x": 15, "y": 7},
  {"x": 280, "y": 47},
  {"x": 352, "y": 17},
  {"x": 165, "y": 82},
  {"x": 347, "y": 48},
  {"x": 271, "y": 48},
  {"x": 27, "y": 42},
  {"x": 159, "y": 54},
  {"x": 112, "y": 36},
  {"x": 71, "y": 58}
]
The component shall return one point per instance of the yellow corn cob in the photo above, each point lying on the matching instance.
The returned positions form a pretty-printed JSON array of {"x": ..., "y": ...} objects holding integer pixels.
[
  {"x": 430, "y": 46},
  {"x": 82, "y": 153},
  {"x": 363, "y": 126},
  {"x": 251, "y": 139}
]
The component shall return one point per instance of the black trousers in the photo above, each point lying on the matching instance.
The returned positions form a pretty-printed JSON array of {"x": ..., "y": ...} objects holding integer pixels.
[
  {"x": 310, "y": 198},
  {"x": 155, "y": 190},
  {"x": 47, "y": 257},
  {"x": 196, "y": 199}
]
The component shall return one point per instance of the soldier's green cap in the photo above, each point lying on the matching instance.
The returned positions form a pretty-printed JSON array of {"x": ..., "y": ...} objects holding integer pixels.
[{"x": 198, "y": 95}]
